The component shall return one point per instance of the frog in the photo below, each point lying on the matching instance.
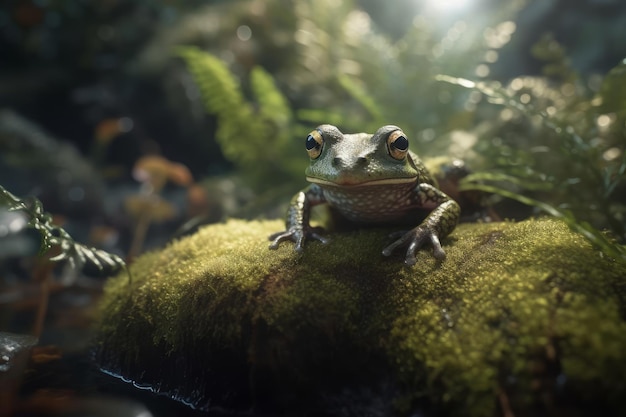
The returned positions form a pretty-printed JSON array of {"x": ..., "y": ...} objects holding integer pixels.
[{"x": 370, "y": 180}]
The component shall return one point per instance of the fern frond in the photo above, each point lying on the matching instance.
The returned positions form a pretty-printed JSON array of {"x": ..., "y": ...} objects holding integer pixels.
[
  {"x": 222, "y": 96},
  {"x": 77, "y": 254},
  {"x": 257, "y": 136},
  {"x": 273, "y": 105},
  {"x": 365, "y": 99}
]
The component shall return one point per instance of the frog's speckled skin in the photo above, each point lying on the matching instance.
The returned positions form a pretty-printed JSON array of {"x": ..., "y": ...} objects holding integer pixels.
[{"x": 371, "y": 179}]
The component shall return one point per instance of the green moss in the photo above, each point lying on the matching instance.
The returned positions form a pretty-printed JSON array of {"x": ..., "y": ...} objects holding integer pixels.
[
  {"x": 527, "y": 296},
  {"x": 519, "y": 315}
]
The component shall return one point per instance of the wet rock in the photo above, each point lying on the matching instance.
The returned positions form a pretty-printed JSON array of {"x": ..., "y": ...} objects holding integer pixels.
[
  {"x": 14, "y": 351},
  {"x": 14, "y": 355}
]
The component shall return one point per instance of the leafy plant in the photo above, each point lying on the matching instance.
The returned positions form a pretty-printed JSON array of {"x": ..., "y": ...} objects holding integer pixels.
[
  {"x": 593, "y": 235},
  {"x": 256, "y": 133},
  {"x": 379, "y": 80},
  {"x": 576, "y": 163},
  {"x": 52, "y": 236},
  {"x": 337, "y": 81}
]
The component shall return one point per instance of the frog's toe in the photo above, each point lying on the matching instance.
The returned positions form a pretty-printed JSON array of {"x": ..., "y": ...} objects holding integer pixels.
[
  {"x": 410, "y": 259},
  {"x": 415, "y": 239},
  {"x": 311, "y": 234},
  {"x": 279, "y": 237},
  {"x": 438, "y": 251},
  {"x": 297, "y": 236},
  {"x": 276, "y": 236},
  {"x": 418, "y": 241},
  {"x": 319, "y": 237},
  {"x": 400, "y": 242}
]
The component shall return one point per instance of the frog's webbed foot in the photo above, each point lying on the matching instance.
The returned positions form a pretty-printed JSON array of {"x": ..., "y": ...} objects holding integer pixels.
[
  {"x": 298, "y": 234},
  {"x": 415, "y": 239}
]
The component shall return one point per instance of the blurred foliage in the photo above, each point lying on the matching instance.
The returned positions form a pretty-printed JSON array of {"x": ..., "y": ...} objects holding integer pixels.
[
  {"x": 347, "y": 73},
  {"x": 53, "y": 236},
  {"x": 254, "y": 133},
  {"x": 391, "y": 81},
  {"x": 66, "y": 180},
  {"x": 559, "y": 141}
]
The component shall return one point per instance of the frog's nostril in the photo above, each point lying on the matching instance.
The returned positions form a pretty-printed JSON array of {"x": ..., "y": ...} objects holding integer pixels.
[{"x": 340, "y": 162}]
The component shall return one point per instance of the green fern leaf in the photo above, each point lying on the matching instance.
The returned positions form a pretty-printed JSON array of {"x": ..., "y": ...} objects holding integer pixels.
[
  {"x": 273, "y": 105},
  {"x": 52, "y": 236}
]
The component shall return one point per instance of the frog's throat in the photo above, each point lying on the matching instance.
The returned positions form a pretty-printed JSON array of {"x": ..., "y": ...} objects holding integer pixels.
[{"x": 345, "y": 183}]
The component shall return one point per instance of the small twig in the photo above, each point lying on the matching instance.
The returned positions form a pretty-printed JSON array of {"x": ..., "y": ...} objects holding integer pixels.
[
  {"x": 42, "y": 274},
  {"x": 505, "y": 404},
  {"x": 141, "y": 231}
]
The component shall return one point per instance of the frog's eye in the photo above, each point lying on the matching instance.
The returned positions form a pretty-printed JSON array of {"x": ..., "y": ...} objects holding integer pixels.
[
  {"x": 314, "y": 143},
  {"x": 397, "y": 145}
]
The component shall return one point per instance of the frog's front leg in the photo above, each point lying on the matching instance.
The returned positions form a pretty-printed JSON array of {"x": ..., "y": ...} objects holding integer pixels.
[
  {"x": 439, "y": 223},
  {"x": 298, "y": 214}
]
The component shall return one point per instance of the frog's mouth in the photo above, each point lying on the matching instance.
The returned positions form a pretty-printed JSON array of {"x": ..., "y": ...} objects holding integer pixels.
[{"x": 346, "y": 182}]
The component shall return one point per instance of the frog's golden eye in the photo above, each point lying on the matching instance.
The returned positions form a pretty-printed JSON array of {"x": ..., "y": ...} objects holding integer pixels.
[
  {"x": 397, "y": 145},
  {"x": 314, "y": 143}
]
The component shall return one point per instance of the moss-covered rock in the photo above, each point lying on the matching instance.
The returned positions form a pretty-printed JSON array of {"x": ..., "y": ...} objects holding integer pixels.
[{"x": 521, "y": 317}]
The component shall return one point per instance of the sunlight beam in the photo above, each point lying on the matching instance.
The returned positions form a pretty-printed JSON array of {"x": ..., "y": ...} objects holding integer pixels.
[{"x": 448, "y": 6}]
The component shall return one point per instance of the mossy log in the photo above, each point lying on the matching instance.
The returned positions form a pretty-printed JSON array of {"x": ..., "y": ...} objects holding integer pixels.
[{"x": 520, "y": 319}]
